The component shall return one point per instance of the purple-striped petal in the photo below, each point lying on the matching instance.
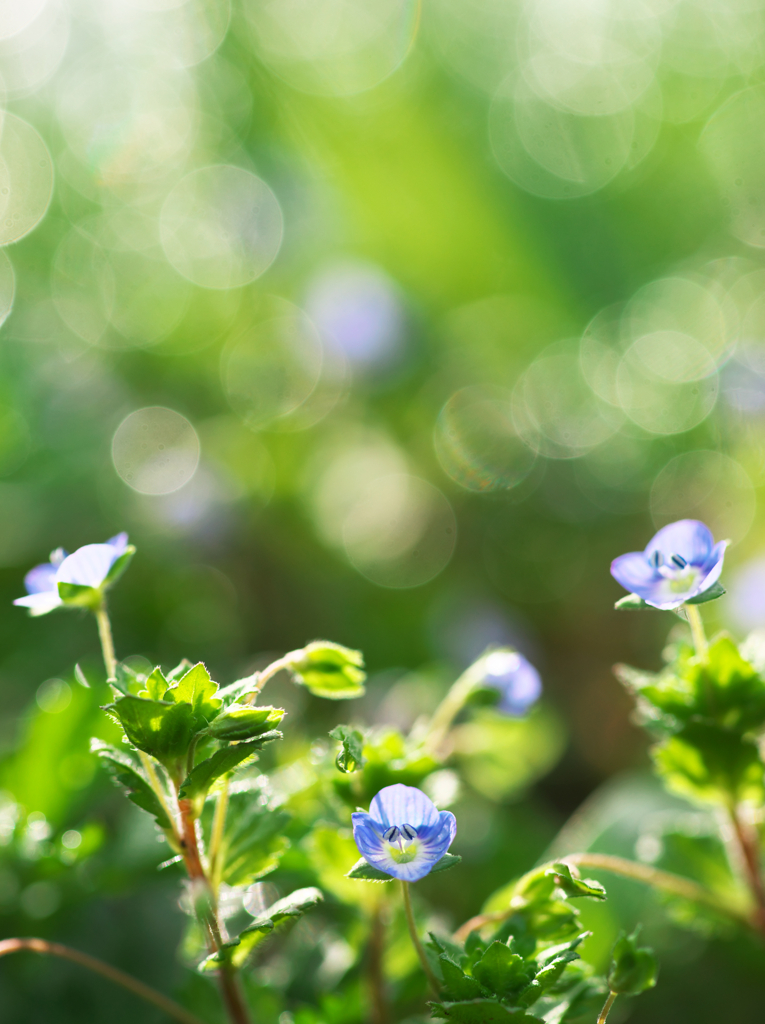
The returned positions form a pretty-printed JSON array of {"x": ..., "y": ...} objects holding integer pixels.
[
  {"x": 633, "y": 572},
  {"x": 88, "y": 566},
  {"x": 687, "y": 537},
  {"x": 399, "y": 804}
]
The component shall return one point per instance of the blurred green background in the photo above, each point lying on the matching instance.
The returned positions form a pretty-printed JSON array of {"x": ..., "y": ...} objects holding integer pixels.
[{"x": 386, "y": 323}]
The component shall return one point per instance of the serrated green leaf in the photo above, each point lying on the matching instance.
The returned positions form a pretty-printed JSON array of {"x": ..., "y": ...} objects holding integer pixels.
[
  {"x": 483, "y": 1011},
  {"x": 710, "y": 764},
  {"x": 292, "y": 906},
  {"x": 233, "y": 693},
  {"x": 572, "y": 886},
  {"x": 715, "y": 591},
  {"x": 159, "y": 728},
  {"x": 242, "y": 721},
  {"x": 457, "y": 984},
  {"x": 502, "y": 971},
  {"x": 126, "y": 773},
  {"x": 350, "y": 757},
  {"x": 222, "y": 762},
  {"x": 632, "y": 970},
  {"x": 196, "y": 688},
  {"x": 328, "y": 670},
  {"x": 254, "y": 839},
  {"x": 155, "y": 686}
]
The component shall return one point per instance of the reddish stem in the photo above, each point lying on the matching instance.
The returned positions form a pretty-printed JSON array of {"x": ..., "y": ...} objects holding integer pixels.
[
  {"x": 150, "y": 995},
  {"x": 749, "y": 846}
]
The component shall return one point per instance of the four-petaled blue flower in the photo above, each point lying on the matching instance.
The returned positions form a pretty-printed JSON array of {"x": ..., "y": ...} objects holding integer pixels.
[
  {"x": 404, "y": 834},
  {"x": 90, "y": 566},
  {"x": 680, "y": 563},
  {"x": 516, "y": 679}
]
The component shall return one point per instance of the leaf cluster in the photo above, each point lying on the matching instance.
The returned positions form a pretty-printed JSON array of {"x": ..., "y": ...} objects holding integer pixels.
[{"x": 707, "y": 712}]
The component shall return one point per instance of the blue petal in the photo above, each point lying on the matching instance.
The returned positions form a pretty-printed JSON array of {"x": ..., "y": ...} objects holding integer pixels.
[
  {"x": 119, "y": 543},
  {"x": 399, "y": 805},
  {"x": 713, "y": 566},
  {"x": 40, "y": 604},
  {"x": 88, "y": 566},
  {"x": 431, "y": 844},
  {"x": 516, "y": 679},
  {"x": 40, "y": 579},
  {"x": 687, "y": 537},
  {"x": 632, "y": 571}
]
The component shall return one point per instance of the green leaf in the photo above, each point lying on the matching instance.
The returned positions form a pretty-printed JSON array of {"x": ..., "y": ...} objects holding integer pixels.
[
  {"x": 79, "y": 596},
  {"x": 118, "y": 568},
  {"x": 125, "y": 772},
  {"x": 244, "y": 687},
  {"x": 254, "y": 840},
  {"x": 572, "y": 885},
  {"x": 483, "y": 1011},
  {"x": 159, "y": 728},
  {"x": 710, "y": 764},
  {"x": 197, "y": 689},
  {"x": 715, "y": 591},
  {"x": 241, "y": 722},
  {"x": 350, "y": 757},
  {"x": 155, "y": 686},
  {"x": 292, "y": 906},
  {"x": 328, "y": 670},
  {"x": 449, "y": 860},
  {"x": 633, "y": 603},
  {"x": 632, "y": 970},
  {"x": 502, "y": 971},
  {"x": 457, "y": 984},
  {"x": 222, "y": 762},
  {"x": 367, "y": 873}
]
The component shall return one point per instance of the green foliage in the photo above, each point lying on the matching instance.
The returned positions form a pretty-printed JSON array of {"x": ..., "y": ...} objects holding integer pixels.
[
  {"x": 350, "y": 757},
  {"x": 244, "y": 722},
  {"x": 126, "y": 772},
  {"x": 711, "y": 765},
  {"x": 222, "y": 762},
  {"x": 388, "y": 757},
  {"x": 633, "y": 969},
  {"x": 328, "y": 670},
  {"x": 572, "y": 885},
  {"x": 254, "y": 839}
]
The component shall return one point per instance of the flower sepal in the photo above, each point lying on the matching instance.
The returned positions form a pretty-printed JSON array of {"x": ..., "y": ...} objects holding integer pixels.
[
  {"x": 81, "y": 597},
  {"x": 715, "y": 591},
  {"x": 363, "y": 871},
  {"x": 633, "y": 603}
]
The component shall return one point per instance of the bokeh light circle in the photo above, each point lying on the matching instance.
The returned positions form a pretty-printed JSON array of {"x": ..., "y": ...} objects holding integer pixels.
[
  {"x": 555, "y": 410},
  {"x": 401, "y": 532},
  {"x": 709, "y": 486},
  {"x": 476, "y": 442},
  {"x": 333, "y": 47},
  {"x": 7, "y": 287},
  {"x": 155, "y": 450},
  {"x": 272, "y": 368},
  {"x": 654, "y": 401},
  {"x": 221, "y": 226},
  {"x": 16, "y": 15},
  {"x": 26, "y": 179}
]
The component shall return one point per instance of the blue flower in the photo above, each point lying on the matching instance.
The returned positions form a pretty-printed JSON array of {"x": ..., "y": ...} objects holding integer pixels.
[
  {"x": 681, "y": 562},
  {"x": 404, "y": 834},
  {"x": 93, "y": 567},
  {"x": 516, "y": 679}
]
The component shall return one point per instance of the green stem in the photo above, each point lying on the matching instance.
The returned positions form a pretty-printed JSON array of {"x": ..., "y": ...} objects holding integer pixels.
[
  {"x": 268, "y": 673},
  {"x": 675, "y": 885},
  {"x": 150, "y": 995},
  {"x": 216, "y": 836},
  {"x": 697, "y": 630},
  {"x": 107, "y": 641},
  {"x": 451, "y": 705},
  {"x": 432, "y": 981},
  {"x": 607, "y": 1008}
]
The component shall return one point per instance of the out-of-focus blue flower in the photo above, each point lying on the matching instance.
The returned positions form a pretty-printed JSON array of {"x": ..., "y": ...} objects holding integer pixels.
[
  {"x": 516, "y": 679},
  {"x": 93, "y": 566},
  {"x": 681, "y": 562},
  {"x": 404, "y": 834}
]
